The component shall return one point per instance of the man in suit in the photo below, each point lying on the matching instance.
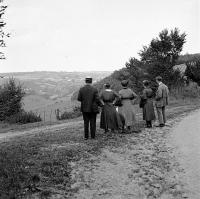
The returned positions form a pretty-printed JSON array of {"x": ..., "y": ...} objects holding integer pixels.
[
  {"x": 89, "y": 98},
  {"x": 162, "y": 98}
]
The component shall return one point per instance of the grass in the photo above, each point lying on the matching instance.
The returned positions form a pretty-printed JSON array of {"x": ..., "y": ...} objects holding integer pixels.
[{"x": 46, "y": 157}]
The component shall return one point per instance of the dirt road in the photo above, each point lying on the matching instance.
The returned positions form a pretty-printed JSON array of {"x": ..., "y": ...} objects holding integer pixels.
[
  {"x": 186, "y": 138},
  {"x": 47, "y": 129}
]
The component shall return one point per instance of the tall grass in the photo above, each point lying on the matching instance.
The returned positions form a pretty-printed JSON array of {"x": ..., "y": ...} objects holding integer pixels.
[
  {"x": 189, "y": 92},
  {"x": 23, "y": 117},
  {"x": 71, "y": 114}
]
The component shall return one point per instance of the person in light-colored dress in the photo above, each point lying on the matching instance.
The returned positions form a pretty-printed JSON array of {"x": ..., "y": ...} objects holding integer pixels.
[{"x": 127, "y": 109}]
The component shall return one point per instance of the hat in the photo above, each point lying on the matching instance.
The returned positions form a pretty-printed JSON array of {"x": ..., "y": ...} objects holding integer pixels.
[
  {"x": 159, "y": 78},
  {"x": 146, "y": 82},
  {"x": 88, "y": 80},
  {"x": 107, "y": 85},
  {"x": 124, "y": 83}
]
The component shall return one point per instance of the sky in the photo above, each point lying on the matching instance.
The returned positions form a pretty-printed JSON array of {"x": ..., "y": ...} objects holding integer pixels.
[{"x": 85, "y": 35}]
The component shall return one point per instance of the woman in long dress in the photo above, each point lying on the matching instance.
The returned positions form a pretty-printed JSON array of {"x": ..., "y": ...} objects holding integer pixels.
[
  {"x": 148, "y": 108},
  {"x": 127, "y": 109},
  {"x": 110, "y": 119}
]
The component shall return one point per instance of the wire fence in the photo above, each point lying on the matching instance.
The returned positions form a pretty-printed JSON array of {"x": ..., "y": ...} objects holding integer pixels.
[{"x": 50, "y": 115}]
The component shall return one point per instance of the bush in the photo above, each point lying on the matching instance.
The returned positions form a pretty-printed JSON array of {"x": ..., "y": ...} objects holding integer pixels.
[
  {"x": 190, "y": 91},
  {"x": 11, "y": 96},
  {"x": 193, "y": 70},
  {"x": 71, "y": 114},
  {"x": 24, "y": 117}
]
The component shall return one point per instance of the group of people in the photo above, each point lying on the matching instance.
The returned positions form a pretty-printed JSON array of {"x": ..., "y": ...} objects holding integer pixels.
[{"x": 117, "y": 110}]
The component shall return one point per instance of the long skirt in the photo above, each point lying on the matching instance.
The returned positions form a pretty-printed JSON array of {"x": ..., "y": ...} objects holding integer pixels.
[
  {"x": 148, "y": 111},
  {"x": 128, "y": 111},
  {"x": 110, "y": 118}
]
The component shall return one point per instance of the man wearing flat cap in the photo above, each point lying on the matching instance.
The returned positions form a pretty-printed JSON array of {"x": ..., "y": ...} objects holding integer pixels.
[{"x": 89, "y": 98}]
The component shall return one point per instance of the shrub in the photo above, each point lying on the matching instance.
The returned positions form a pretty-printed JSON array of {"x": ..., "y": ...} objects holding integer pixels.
[
  {"x": 190, "y": 91},
  {"x": 193, "y": 70},
  {"x": 24, "y": 117},
  {"x": 71, "y": 114},
  {"x": 11, "y": 96}
]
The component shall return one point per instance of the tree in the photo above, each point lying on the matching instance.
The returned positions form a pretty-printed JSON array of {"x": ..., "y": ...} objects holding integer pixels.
[
  {"x": 11, "y": 96},
  {"x": 161, "y": 55},
  {"x": 134, "y": 66},
  {"x": 165, "y": 48},
  {"x": 2, "y": 25}
]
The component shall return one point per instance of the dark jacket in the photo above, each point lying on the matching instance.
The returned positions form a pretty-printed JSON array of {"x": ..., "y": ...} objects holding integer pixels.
[{"x": 89, "y": 98}]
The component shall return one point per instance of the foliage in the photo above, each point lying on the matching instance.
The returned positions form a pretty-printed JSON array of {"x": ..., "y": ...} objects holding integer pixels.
[
  {"x": 186, "y": 92},
  {"x": 71, "y": 114},
  {"x": 193, "y": 70},
  {"x": 165, "y": 48},
  {"x": 11, "y": 95},
  {"x": 137, "y": 74},
  {"x": 2, "y": 25},
  {"x": 170, "y": 77},
  {"x": 24, "y": 117},
  {"x": 161, "y": 55}
]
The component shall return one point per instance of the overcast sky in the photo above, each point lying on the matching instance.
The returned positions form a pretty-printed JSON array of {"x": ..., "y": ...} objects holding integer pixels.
[{"x": 79, "y": 35}]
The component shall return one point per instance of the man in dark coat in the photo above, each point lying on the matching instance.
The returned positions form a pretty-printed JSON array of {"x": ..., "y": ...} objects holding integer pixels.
[{"x": 89, "y": 98}]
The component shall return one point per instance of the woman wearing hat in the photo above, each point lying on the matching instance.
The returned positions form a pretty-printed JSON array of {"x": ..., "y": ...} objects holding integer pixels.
[
  {"x": 110, "y": 119},
  {"x": 148, "y": 109},
  {"x": 127, "y": 110}
]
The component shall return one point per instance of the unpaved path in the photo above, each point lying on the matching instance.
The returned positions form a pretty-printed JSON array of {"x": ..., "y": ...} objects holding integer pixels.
[
  {"x": 186, "y": 138},
  {"x": 146, "y": 166},
  {"x": 45, "y": 129}
]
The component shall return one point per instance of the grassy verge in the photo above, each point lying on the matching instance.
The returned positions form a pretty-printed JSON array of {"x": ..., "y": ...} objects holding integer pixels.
[{"x": 42, "y": 162}]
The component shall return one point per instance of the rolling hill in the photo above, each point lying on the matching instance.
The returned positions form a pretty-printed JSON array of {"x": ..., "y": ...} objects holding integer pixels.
[{"x": 48, "y": 91}]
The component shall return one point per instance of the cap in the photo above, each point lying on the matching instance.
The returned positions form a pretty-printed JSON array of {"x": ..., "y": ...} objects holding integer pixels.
[
  {"x": 88, "y": 80},
  {"x": 107, "y": 85}
]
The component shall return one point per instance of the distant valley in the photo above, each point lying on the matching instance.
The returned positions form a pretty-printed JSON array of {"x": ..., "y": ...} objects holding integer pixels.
[{"x": 48, "y": 91}]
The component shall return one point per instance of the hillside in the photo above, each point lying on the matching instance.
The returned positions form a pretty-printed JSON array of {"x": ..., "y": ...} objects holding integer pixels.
[
  {"x": 48, "y": 91},
  {"x": 135, "y": 77},
  {"x": 187, "y": 58}
]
